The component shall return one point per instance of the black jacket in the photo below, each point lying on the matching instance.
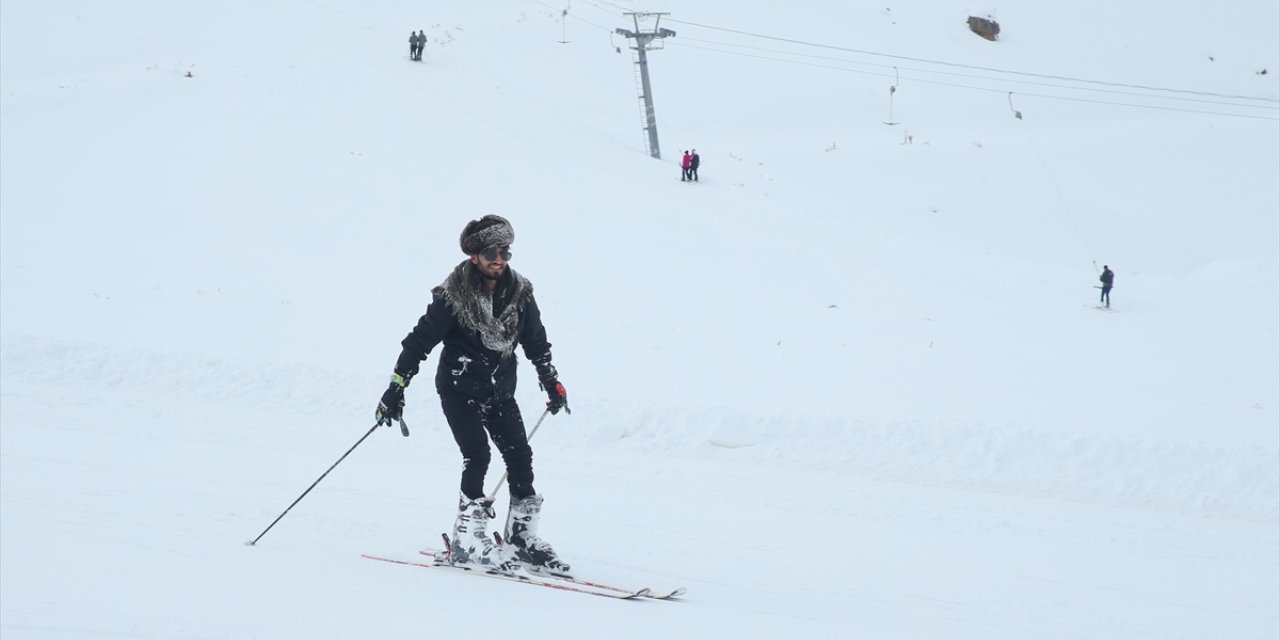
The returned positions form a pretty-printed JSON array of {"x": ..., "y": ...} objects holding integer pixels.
[
  {"x": 466, "y": 365},
  {"x": 694, "y": 161},
  {"x": 1108, "y": 276}
]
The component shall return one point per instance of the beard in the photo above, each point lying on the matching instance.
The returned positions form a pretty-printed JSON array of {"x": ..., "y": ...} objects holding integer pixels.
[{"x": 489, "y": 275}]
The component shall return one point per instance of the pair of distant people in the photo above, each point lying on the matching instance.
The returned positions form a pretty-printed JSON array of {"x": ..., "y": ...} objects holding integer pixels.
[
  {"x": 689, "y": 166},
  {"x": 416, "y": 42}
]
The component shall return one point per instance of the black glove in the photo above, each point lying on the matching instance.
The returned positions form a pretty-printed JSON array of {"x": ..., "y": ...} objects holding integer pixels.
[
  {"x": 391, "y": 407},
  {"x": 557, "y": 399}
]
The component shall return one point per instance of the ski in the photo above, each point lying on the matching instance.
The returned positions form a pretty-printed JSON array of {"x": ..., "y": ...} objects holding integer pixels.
[
  {"x": 617, "y": 595},
  {"x": 644, "y": 593}
]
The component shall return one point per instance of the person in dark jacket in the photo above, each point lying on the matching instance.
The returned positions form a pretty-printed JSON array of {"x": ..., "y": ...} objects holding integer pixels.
[
  {"x": 413, "y": 46},
  {"x": 694, "y": 161},
  {"x": 480, "y": 313},
  {"x": 1108, "y": 279}
]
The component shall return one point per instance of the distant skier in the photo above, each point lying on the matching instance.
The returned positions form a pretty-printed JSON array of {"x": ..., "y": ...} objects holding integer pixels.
[
  {"x": 694, "y": 161},
  {"x": 413, "y": 46},
  {"x": 481, "y": 312},
  {"x": 685, "y": 163},
  {"x": 1108, "y": 279},
  {"x": 422, "y": 43}
]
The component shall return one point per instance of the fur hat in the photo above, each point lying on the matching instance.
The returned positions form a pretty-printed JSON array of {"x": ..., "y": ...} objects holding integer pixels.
[{"x": 486, "y": 232}]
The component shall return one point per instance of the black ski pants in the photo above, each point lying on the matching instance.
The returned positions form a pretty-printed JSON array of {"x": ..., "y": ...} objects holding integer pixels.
[{"x": 470, "y": 419}]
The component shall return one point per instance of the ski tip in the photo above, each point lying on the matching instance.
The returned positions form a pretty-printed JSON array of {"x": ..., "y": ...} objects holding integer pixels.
[{"x": 248, "y": 543}]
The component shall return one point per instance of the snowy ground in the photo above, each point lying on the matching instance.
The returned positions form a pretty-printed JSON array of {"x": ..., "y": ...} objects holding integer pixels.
[{"x": 845, "y": 386}]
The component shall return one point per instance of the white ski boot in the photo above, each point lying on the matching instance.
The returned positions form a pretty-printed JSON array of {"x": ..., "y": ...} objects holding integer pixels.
[
  {"x": 521, "y": 534},
  {"x": 471, "y": 545}
]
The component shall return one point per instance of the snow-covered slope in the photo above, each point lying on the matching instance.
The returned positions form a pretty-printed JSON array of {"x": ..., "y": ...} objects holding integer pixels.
[{"x": 866, "y": 344}]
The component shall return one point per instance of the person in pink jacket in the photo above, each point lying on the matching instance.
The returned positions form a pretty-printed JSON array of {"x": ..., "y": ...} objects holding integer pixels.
[{"x": 684, "y": 166}]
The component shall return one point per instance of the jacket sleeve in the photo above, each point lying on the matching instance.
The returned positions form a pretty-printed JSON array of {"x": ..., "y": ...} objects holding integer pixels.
[
  {"x": 429, "y": 332},
  {"x": 533, "y": 339}
]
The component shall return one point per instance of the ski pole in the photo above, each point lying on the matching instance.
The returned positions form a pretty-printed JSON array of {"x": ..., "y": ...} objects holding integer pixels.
[
  {"x": 313, "y": 484},
  {"x": 493, "y": 494}
]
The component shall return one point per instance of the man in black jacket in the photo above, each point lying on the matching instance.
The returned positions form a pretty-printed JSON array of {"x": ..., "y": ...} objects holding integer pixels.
[
  {"x": 694, "y": 161},
  {"x": 1108, "y": 279},
  {"x": 480, "y": 312}
]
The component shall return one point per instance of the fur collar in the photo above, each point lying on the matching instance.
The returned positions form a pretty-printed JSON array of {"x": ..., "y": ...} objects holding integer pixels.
[{"x": 477, "y": 310}]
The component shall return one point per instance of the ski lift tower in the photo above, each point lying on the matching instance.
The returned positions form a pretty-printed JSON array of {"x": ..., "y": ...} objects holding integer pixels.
[{"x": 645, "y": 37}]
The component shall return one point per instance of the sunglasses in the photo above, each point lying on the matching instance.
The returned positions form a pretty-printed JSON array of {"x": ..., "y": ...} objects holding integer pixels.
[{"x": 492, "y": 253}]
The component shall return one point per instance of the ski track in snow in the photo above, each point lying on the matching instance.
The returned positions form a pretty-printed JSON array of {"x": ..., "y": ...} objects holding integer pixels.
[{"x": 152, "y": 489}]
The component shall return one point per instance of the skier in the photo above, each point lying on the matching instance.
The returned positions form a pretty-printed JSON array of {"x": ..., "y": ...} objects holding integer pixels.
[
  {"x": 1108, "y": 279},
  {"x": 480, "y": 312},
  {"x": 684, "y": 166},
  {"x": 422, "y": 42},
  {"x": 694, "y": 161},
  {"x": 413, "y": 46}
]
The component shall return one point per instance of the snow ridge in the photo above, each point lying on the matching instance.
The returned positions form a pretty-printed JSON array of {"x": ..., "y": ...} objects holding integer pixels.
[{"x": 1192, "y": 478}]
